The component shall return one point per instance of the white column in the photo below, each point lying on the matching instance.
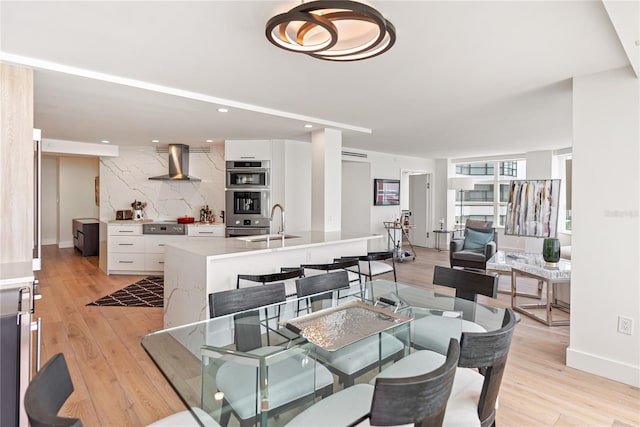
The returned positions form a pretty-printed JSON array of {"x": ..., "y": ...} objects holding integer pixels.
[
  {"x": 606, "y": 225},
  {"x": 326, "y": 167}
]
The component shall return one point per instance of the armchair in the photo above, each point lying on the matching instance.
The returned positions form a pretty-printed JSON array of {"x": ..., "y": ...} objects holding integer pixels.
[{"x": 480, "y": 243}]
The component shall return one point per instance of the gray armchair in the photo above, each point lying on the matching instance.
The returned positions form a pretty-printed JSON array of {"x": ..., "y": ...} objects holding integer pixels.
[{"x": 480, "y": 243}]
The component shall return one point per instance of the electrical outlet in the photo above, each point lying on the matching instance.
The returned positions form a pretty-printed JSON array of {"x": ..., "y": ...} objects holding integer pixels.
[{"x": 625, "y": 325}]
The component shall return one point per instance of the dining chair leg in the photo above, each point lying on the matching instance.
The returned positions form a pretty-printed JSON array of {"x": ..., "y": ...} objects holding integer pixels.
[{"x": 225, "y": 413}]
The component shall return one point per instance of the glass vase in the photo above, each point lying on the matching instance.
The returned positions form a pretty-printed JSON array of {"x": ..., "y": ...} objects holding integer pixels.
[{"x": 551, "y": 250}]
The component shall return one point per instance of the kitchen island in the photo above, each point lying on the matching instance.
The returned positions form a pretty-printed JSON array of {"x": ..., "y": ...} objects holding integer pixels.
[{"x": 192, "y": 269}]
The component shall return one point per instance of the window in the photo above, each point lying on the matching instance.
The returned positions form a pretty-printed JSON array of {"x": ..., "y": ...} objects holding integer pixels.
[{"x": 484, "y": 202}]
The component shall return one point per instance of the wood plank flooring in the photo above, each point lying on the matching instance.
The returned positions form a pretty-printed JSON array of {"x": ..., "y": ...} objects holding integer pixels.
[{"x": 116, "y": 384}]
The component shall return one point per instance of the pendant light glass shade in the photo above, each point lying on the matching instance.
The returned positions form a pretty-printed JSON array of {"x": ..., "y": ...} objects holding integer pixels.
[{"x": 340, "y": 30}]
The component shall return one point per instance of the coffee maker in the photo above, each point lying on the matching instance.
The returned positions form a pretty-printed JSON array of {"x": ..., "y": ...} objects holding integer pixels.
[{"x": 138, "y": 210}]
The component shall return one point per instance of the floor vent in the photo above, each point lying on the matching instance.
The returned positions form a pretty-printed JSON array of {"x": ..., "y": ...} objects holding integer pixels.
[
  {"x": 354, "y": 154},
  {"x": 192, "y": 149}
]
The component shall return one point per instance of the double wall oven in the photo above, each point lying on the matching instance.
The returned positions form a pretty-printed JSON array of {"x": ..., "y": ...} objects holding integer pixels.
[{"x": 247, "y": 197}]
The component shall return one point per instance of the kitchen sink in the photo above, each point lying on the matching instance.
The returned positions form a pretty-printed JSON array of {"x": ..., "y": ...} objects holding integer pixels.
[{"x": 264, "y": 238}]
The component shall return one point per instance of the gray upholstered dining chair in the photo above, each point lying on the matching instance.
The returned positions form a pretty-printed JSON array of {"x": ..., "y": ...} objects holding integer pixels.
[
  {"x": 417, "y": 399},
  {"x": 237, "y": 381},
  {"x": 360, "y": 357},
  {"x": 52, "y": 386},
  {"x": 47, "y": 392},
  {"x": 479, "y": 244},
  {"x": 483, "y": 357},
  {"x": 434, "y": 332}
]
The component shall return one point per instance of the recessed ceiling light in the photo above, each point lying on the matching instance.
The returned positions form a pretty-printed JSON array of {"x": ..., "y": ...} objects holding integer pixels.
[
  {"x": 209, "y": 140},
  {"x": 155, "y": 140},
  {"x": 308, "y": 126},
  {"x": 223, "y": 110},
  {"x": 104, "y": 141}
]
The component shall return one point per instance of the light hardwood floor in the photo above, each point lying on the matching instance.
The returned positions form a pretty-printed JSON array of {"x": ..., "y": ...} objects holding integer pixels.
[{"x": 116, "y": 384}]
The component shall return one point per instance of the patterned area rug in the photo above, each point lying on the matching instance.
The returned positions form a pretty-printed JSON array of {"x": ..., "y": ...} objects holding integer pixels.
[{"x": 148, "y": 292}]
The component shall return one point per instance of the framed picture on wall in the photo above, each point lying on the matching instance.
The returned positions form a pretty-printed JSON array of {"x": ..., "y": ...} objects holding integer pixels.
[
  {"x": 386, "y": 192},
  {"x": 533, "y": 206}
]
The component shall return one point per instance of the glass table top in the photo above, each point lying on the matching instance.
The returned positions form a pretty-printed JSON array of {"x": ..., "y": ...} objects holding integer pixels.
[{"x": 207, "y": 369}]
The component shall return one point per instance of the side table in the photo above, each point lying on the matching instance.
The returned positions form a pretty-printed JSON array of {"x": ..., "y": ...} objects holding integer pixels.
[
  {"x": 552, "y": 276},
  {"x": 440, "y": 232}
]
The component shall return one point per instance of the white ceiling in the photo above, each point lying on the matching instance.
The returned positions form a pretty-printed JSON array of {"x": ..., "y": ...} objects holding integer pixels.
[{"x": 464, "y": 78}]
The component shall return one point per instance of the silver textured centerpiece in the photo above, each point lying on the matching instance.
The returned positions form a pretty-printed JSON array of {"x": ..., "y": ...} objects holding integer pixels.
[{"x": 337, "y": 327}]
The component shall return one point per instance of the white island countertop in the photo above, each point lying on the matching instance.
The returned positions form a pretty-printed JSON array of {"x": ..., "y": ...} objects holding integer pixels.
[
  {"x": 234, "y": 246},
  {"x": 195, "y": 269}
]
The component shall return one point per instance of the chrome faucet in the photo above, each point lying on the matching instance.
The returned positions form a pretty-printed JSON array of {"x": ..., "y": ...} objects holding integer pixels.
[{"x": 273, "y": 211}]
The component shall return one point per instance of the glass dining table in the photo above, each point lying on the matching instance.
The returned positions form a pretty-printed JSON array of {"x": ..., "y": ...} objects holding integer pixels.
[{"x": 205, "y": 367}]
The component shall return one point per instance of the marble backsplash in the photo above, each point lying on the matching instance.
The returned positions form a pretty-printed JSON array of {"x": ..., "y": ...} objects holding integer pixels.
[{"x": 125, "y": 178}]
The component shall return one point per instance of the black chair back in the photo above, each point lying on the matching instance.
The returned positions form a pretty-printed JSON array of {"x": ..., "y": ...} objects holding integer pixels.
[
  {"x": 468, "y": 284},
  {"x": 322, "y": 283},
  {"x": 247, "y": 326},
  {"x": 291, "y": 273},
  {"x": 47, "y": 392},
  {"x": 420, "y": 400},
  {"x": 488, "y": 352},
  {"x": 339, "y": 264}
]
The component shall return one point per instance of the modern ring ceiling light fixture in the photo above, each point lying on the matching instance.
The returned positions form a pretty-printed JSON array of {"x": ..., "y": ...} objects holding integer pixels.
[{"x": 335, "y": 30}]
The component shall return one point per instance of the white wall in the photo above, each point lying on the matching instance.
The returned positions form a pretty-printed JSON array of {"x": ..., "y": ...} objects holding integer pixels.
[
  {"x": 356, "y": 197},
  {"x": 125, "y": 178},
  {"x": 385, "y": 166},
  {"x": 76, "y": 189},
  {"x": 49, "y": 185},
  {"x": 606, "y": 231}
]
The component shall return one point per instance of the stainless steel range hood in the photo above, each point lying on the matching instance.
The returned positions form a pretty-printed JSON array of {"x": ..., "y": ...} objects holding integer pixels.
[{"x": 178, "y": 165}]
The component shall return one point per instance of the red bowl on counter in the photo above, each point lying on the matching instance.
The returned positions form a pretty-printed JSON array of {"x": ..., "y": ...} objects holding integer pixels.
[{"x": 186, "y": 220}]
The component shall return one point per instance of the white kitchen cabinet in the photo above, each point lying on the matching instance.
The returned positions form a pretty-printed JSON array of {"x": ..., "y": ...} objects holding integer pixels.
[
  {"x": 154, "y": 251},
  {"x": 125, "y": 249},
  {"x": 247, "y": 150},
  {"x": 200, "y": 231},
  {"x": 131, "y": 252}
]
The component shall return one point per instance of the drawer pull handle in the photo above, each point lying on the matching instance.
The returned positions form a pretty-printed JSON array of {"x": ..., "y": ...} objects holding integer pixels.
[
  {"x": 160, "y": 262},
  {"x": 125, "y": 244},
  {"x": 125, "y": 231},
  {"x": 205, "y": 232},
  {"x": 125, "y": 262},
  {"x": 160, "y": 244}
]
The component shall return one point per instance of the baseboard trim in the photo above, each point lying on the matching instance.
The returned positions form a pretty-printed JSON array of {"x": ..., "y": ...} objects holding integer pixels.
[
  {"x": 49, "y": 242},
  {"x": 64, "y": 245},
  {"x": 603, "y": 367}
]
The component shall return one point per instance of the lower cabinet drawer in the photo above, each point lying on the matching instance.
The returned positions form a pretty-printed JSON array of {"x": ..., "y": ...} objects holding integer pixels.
[
  {"x": 154, "y": 262},
  {"x": 124, "y": 261},
  {"x": 125, "y": 244}
]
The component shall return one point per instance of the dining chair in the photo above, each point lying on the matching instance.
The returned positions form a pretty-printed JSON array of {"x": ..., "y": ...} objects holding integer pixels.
[
  {"x": 483, "y": 357},
  {"x": 419, "y": 400},
  {"x": 47, "y": 392},
  {"x": 51, "y": 387},
  {"x": 372, "y": 264},
  {"x": 237, "y": 381},
  {"x": 360, "y": 357},
  {"x": 355, "y": 280},
  {"x": 434, "y": 332}
]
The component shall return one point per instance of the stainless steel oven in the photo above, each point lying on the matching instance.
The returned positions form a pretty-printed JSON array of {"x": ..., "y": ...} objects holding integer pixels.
[
  {"x": 248, "y": 208},
  {"x": 247, "y": 174}
]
